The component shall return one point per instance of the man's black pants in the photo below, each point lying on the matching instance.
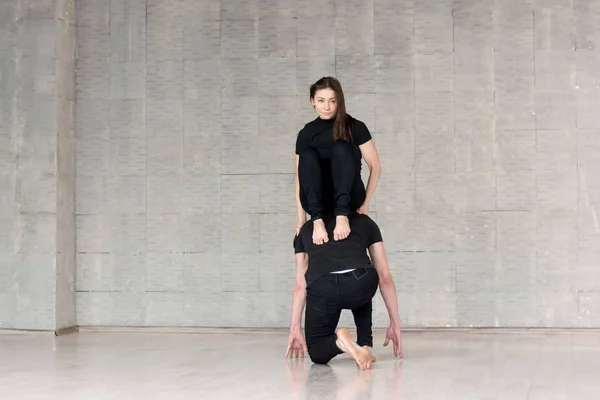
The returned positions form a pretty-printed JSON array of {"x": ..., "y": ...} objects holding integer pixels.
[{"x": 326, "y": 297}]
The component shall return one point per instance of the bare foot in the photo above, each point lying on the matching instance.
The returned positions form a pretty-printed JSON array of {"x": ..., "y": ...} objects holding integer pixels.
[
  {"x": 347, "y": 345},
  {"x": 345, "y": 350},
  {"x": 368, "y": 349},
  {"x": 319, "y": 232},
  {"x": 342, "y": 228}
]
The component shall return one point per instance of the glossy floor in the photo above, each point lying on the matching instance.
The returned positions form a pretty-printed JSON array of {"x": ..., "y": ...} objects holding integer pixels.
[{"x": 207, "y": 366}]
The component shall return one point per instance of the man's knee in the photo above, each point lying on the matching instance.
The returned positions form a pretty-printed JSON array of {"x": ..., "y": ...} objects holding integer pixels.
[{"x": 319, "y": 358}]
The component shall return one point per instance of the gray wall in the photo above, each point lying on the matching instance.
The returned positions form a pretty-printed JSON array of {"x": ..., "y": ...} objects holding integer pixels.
[
  {"x": 485, "y": 114},
  {"x": 37, "y": 160}
]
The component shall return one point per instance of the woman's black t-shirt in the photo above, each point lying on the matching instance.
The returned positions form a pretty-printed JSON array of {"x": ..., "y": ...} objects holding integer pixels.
[{"x": 318, "y": 134}]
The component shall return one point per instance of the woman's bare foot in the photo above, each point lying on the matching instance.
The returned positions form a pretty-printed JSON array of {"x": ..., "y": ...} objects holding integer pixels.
[
  {"x": 342, "y": 228},
  {"x": 346, "y": 344},
  {"x": 319, "y": 232}
]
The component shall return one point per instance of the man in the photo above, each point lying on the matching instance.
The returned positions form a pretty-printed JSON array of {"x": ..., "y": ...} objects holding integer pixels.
[{"x": 339, "y": 275}]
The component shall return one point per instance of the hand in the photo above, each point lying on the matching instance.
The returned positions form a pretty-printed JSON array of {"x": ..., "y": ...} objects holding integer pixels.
[
  {"x": 364, "y": 209},
  {"x": 296, "y": 345},
  {"x": 393, "y": 333},
  {"x": 301, "y": 222}
]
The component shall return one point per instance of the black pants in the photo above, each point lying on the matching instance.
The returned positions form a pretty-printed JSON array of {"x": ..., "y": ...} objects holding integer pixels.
[
  {"x": 326, "y": 297},
  {"x": 334, "y": 187}
]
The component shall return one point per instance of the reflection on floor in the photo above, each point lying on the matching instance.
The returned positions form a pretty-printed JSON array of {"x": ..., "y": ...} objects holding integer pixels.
[{"x": 206, "y": 366}]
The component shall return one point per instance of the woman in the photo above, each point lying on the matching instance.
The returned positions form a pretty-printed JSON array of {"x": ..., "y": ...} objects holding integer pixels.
[{"x": 328, "y": 163}]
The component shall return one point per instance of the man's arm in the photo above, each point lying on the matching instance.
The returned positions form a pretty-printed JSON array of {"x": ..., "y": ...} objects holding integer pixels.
[
  {"x": 299, "y": 297},
  {"x": 386, "y": 283}
]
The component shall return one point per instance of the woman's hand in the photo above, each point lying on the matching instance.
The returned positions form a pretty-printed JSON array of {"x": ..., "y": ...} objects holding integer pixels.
[{"x": 364, "y": 209}]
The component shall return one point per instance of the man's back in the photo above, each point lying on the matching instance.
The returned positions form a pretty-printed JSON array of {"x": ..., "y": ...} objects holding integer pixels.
[{"x": 338, "y": 255}]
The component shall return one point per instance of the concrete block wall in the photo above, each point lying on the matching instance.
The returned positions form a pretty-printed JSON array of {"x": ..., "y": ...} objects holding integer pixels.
[
  {"x": 484, "y": 114},
  {"x": 37, "y": 159}
]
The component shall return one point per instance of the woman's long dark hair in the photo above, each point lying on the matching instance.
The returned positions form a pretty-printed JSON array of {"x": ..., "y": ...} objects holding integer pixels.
[{"x": 341, "y": 126}]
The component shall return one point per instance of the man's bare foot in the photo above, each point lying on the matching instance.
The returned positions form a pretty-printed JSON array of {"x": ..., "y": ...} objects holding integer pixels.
[
  {"x": 342, "y": 228},
  {"x": 368, "y": 349},
  {"x": 347, "y": 345},
  {"x": 345, "y": 350},
  {"x": 319, "y": 232}
]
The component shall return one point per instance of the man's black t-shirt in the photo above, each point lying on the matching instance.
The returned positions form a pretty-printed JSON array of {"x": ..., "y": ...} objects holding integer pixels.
[
  {"x": 318, "y": 134},
  {"x": 338, "y": 255}
]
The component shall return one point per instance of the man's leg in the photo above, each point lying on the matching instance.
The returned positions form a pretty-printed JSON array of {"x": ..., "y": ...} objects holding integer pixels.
[
  {"x": 363, "y": 286},
  {"x": 357, "y": 289},
  {"x": 363, "y": 318},
  {"x": 321, "y": 318}
]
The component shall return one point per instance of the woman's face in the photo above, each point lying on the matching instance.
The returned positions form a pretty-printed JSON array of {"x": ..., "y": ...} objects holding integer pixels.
[{"x": 325, "y": 103}]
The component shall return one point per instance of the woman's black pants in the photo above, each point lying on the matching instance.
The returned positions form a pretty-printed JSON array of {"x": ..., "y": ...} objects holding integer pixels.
[
  {"x": 334, "y": 187},
  {"x": 326, "y": 297}
]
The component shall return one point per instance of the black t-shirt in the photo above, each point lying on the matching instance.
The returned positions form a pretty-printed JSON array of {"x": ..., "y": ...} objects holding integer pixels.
[
  {"x": 318, "y": 134},
  {"x": 338, "y": 255}
]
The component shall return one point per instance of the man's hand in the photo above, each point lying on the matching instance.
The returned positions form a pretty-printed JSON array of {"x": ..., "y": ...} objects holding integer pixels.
[
  {"x": 301, "y": 222},
  {"x": 296, "y": 345},
  {"x": 393, "y": 333},
  {"x": 364, "y": 209}
]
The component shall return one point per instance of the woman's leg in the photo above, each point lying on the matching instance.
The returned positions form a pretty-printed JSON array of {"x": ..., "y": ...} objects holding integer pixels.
[
  {"x": 348, "y": 189},
  {"x": 312, "y": 190},
  {"x": 358, "y": 195},
  {"x": 343, "y": 172},
  {"x": 311, "y": 186},
  {"x": 349, "y": 192}
]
